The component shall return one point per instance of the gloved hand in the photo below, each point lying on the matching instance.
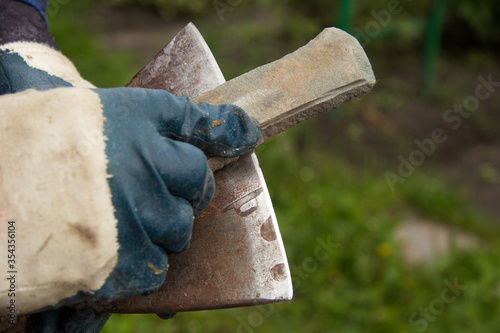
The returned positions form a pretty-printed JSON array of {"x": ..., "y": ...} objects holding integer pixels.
[
  {"x": 102, "y": 184},
  {"x": 107, "y": 170}
]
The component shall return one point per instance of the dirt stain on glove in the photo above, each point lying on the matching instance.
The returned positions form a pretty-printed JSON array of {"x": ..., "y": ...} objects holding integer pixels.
[
  {"x": 154, "y": 269},
  {"x": 216, "y": 123},
  {"x": 84, "y": 233}
]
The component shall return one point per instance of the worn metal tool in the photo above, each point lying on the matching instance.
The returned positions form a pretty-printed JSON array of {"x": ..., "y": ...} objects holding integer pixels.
[{"x": 237, "y": 256}]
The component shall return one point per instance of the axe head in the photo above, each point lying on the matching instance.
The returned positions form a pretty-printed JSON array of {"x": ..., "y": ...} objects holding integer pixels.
[
  {"x": 185, "y": 66},
  {"x": 236, "y": 257}
]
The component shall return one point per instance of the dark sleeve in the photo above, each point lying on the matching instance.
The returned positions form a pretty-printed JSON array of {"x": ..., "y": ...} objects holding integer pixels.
[
  {"x": 24, "y": 20},
  {"x": 39, "y": 5}
]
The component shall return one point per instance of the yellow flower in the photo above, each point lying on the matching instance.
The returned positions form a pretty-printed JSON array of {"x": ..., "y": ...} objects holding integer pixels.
[{"x": 384, "y": 250}]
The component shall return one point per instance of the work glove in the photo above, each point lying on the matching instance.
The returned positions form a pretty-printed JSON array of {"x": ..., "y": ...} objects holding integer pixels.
[{"x": 99, "y": 186}]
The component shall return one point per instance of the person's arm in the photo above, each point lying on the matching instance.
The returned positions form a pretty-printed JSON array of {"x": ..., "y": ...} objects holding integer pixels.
[{"x": 101, "y": 184}]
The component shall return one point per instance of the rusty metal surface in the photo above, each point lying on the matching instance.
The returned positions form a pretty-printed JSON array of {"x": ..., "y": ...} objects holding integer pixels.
[
  {"x": 185, "y": 66},
  {"x": 236, "y": 257}
]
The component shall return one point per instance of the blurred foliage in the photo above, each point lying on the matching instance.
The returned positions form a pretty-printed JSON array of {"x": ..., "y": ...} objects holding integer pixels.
[
  {"x": 168, "y": 8},
  {"x": 101, "y": 66},
  {"x": 474, "y": 23},
  {"x": 469, "y": 23}
]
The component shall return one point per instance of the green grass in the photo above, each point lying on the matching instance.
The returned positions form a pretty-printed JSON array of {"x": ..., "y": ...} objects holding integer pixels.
[{"x": 364, "y": 285}]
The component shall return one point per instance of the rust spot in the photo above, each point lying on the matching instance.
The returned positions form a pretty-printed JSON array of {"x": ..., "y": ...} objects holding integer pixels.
[
  {"x": 85, "y": 234},
  {"x": 154, "y": 269},
  {"x": 267, "y": 230},
  {"x": 216, "y": 123},
  {"x": 278, "y": 272},
  {"x": 211, "y": 210}
]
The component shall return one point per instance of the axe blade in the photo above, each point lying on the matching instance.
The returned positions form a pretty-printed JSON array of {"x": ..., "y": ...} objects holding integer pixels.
[
  {"x": 236, "y": 257},
  {"x": 185, "y": 66}
]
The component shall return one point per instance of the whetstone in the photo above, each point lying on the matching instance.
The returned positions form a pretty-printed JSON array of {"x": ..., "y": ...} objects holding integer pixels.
[{"x": 328, "y": 71}]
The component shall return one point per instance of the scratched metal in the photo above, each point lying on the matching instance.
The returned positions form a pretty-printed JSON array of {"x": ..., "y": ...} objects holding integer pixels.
[
  {"x": 185, "y": 66},
  {"x": 236, "y": 257}
]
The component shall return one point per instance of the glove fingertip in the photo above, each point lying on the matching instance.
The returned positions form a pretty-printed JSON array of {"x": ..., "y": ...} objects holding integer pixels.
[{"x": 239, "y": 134}]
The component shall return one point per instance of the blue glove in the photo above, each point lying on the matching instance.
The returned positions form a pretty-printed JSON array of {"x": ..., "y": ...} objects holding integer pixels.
[{"x": 105, "y": 182}]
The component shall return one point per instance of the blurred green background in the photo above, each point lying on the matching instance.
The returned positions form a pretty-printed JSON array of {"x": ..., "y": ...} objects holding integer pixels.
[{"x": 336, "y": 177}]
